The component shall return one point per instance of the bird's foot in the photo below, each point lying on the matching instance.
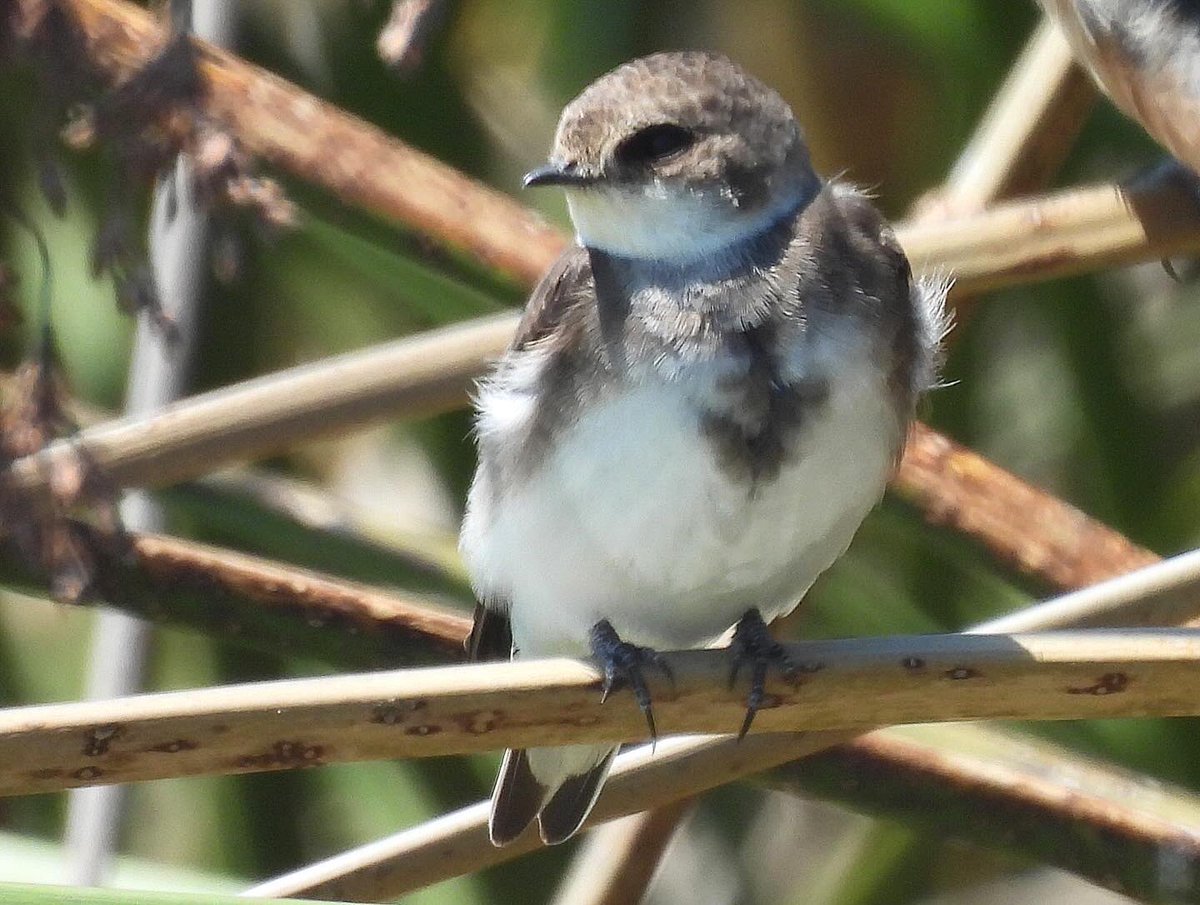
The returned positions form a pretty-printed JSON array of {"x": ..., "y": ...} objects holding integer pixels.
[
  {"x": 624, "y": 664},
  {"x": 753, "y": 646}
]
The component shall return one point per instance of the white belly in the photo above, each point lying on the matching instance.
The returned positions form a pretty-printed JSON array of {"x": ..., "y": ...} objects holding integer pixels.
[{"x": 631, "y": 519}]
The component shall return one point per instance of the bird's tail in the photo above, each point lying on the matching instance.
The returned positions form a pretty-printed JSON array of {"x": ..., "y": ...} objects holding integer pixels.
[{"x": 558, "y": 786}]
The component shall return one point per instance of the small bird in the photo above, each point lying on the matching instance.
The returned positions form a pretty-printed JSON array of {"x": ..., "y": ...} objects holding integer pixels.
[
  {"x": 1145, "y": 54},
  {"x": 705, "y": 396}
]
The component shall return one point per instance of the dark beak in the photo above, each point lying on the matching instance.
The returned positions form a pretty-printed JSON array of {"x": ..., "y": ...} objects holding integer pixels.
[{"x": 556, "y": 174}]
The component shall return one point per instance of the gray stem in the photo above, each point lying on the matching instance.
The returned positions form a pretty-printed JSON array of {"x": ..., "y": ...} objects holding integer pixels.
[{"x": 157, "y": 376}]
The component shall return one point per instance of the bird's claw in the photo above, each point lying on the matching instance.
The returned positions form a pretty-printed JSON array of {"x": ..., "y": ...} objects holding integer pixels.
[
  {"x": 753, "y": 645},
  {"x": 624, "y": 664}
]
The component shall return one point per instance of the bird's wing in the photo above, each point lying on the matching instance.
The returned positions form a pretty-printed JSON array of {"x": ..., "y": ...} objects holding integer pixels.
[
  {"x": 883, "y": 276},
  {"x": 565, "y": 285}
]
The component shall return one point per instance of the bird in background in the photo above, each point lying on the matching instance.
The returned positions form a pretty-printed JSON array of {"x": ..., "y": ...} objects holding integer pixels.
[
  {"x": 1145, "y": 54},
  {"x": 705, "y": 396}
]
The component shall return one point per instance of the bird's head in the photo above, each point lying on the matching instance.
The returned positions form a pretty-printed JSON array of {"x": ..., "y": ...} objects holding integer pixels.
[{"x": 675, "y": 156}]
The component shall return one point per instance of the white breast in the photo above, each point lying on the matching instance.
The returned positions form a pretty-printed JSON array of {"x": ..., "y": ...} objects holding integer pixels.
[{"x": 631, "y": 519}]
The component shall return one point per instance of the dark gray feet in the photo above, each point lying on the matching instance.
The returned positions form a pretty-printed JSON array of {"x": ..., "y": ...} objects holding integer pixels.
[
  {"x": 754, "y": 647},
  {"x": 624, "y": 664}
]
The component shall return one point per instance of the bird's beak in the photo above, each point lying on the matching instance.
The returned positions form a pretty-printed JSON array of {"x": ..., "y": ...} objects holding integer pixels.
[{"x": 556, "y": 174}]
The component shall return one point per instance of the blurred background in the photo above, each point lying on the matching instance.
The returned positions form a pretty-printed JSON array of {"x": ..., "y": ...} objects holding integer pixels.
[{"x": 1089, "y": 387}]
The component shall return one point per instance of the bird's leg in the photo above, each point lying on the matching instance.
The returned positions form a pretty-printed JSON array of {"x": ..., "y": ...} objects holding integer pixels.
[
  {"x": 623, "y": 663},
  {"x": 753, "y": 646}
]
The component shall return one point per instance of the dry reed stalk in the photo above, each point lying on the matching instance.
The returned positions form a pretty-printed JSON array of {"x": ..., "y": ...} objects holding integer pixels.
[{"x": 842, "y": 685}]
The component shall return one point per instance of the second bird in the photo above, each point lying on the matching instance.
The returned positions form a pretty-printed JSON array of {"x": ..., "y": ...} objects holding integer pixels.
[{"x": 704, "y": 398}]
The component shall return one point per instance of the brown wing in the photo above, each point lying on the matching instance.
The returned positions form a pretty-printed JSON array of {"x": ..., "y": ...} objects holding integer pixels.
[
  {"x": 569, "y": 277},
  {"x": 883, "y": 268},
  {"x": 884, "y": 275}
]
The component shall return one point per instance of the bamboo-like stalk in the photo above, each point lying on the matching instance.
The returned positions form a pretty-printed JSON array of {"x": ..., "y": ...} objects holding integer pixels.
[
  {"x": 458, "y": 842},
  {"x": 322, "y": 603},
  {"x": 1068, "y": 232},
  {"x": 617, "y": 860},
  {"x": 425, "y": 374},
  {"x": 1027, "y": 130},
  {"x": 843, "y": 685},
  {"x": 1024, "y": 527}
]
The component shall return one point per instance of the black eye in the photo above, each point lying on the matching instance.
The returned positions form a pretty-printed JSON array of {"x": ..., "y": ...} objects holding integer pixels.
[{"x": 654, "y": 143}]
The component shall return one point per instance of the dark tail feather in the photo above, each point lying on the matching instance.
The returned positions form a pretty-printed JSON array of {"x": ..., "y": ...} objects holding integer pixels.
[
  {"x": 571, "y": 802},
  {"x": 517, "y": 798},
  {"x": 491, "y": 636}
]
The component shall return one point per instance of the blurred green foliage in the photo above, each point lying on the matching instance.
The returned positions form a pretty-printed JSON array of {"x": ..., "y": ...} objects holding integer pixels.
[{"x": 1090, "y": 387}]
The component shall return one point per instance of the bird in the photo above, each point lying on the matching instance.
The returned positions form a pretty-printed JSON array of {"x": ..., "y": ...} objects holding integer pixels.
[
  {"x": 1145, "y": 54},
  {"x": 705, "y": 396}
]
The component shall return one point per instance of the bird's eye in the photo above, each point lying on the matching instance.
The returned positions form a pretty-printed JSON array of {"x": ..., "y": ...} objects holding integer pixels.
[{"x": 654, "y": 143}]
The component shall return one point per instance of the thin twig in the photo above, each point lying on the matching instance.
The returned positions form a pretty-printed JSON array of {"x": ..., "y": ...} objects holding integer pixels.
[
  {"x": 843, "y": 685},
  {"x": 617, "y": 860},
  {"x": 1026, "y": 132},
  {"x": 458, "y": 842}
]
